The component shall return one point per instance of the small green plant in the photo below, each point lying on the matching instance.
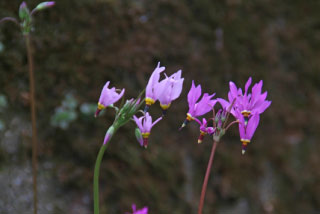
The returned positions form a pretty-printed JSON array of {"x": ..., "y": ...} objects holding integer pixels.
[{"x": 26, "y": 25}]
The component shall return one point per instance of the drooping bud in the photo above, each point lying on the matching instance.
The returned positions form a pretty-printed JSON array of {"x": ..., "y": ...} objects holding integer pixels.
[
  {"x": 25, "y": 17},
  {"x": 217, "y": 118},
  {"x": 24, "y": 11},
  {"x": 44, "y": 5},
  {"x": 139, "y": 136},
  {"x": 108, "y": 135},
  {"x": 223, "y": 115}
]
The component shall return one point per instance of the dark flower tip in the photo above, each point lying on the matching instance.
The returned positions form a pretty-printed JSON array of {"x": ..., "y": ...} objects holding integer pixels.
[{"x": 146, "y": 108}]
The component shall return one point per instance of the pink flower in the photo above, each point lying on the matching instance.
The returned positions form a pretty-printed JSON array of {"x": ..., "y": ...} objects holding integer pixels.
[
  {"x": 152, "y": 85},
  {"x": 141, "y": 211},
  {"x": 108, "y": 97},
  {"x": 169, "y": 89},
  {"x": 247, "y": 130},
  {"x": 145, "y": 124},
  {"x": 247, "y": 104},
  {"x": 203, "y": 106},
  {"x": 198, "y": 108},
  {"x": 204, "y": 129}
]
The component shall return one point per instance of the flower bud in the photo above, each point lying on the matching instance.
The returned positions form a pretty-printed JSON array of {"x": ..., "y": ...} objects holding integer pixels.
[
  {"x": 24, "y": 11},
  {"x": 218, "y": 117},
  {"x": 44, "y": 5},
  {"x": 223, "y": 115},
  {"x": 109, "y": 135}
]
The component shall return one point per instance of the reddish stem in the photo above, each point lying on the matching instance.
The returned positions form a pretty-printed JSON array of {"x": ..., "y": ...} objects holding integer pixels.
[
  {"x": 206, "y": 178},
  {"x": 230, "y": 124},
  {"x": 34, "y": 125}
]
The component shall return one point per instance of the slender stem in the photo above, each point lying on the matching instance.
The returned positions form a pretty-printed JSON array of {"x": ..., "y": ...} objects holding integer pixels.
[
  {"x": 9, "y": 19},
  {"x": 230, "y": 124},
  {"x": 229, "y": 110},
  {"x": 34, "y": 125},
  {"x": 213, "y": 117},
  {"x": 206, "y": 178},
  {"x": 96, "y": 177}
]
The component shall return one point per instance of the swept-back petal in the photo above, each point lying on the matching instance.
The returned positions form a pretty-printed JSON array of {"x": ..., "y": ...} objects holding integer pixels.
[
  {"x": 157, "y": 120},
  {"x": 153, "y": 81},
  {"x": 177, "y": 88},
  {"x": 233, "y": 89},
  {"x": 248, "y": 83},
  {"x": 118, "y": 96},
  {"x": 142, "y": 211},
  {"x": 138, "y": 122},
  {"x": 161, "y": 90},
  {"x": 204, "y": 105},
  {"x": 104, "y": 91},
  {"x": 109, "y": 96},
  {"x": 147, "y": 122},
  {"x": 263, "y": 107},
  {"x": 194, "y": 94}
]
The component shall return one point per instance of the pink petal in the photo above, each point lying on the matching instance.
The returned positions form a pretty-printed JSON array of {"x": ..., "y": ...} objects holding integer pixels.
[
  {"x": 154, "y": 80},
  {"x": 242, "y": 132},
  {"x": 225, "y": 104},
  {"x": 155, "y": 122},
  {"x": 161, "y": 90},
  {"x": 263, "y": 107},
  {"x": 177, "y": 89},
  {"x": 194, "y": 94},
  {"x": 233, "y": 89},
  {"x": 252, "y": 125},
  {"x": 138, "y": 122},
  {"x": 134, "y": 207},
  {"x": 248, "y": 83},
  {"x": 147, "y": 122},
  {"x": 204, "y": 105}
]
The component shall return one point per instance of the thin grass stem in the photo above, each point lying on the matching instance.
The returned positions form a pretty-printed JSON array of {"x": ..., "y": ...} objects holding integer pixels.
[{"x": 34, "y": 124}]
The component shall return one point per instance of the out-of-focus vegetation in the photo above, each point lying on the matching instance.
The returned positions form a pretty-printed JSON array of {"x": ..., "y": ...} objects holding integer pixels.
[
  {"x": 3, "y": 105},
  {"x": 79, "y": 45}
]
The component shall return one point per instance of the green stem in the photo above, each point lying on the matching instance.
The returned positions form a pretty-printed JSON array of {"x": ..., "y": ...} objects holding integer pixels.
[
  {"x": 96, "y": 177},
  {"x": 34, "y": 125}
]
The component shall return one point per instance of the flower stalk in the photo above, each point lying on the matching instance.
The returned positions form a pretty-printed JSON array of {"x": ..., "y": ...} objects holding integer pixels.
[
  {"x": 96, "y": 176},
  {"x": 206, "y": 178},
  {"x": 34, "y": 123},
  {"x": 26, "y": 24}
]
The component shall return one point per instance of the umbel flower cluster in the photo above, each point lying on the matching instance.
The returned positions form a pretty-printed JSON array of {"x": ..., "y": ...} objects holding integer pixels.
[
  {"x": 166, "y": 90},
  {"x": 244, "y": 106}
]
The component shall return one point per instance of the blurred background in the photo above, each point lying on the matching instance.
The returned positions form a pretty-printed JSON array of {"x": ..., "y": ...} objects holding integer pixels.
[{"x": 81, "y": 44}]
